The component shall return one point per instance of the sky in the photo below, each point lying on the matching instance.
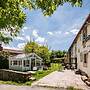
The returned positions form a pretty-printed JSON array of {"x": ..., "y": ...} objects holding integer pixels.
[{"x": 57, "y": 31}]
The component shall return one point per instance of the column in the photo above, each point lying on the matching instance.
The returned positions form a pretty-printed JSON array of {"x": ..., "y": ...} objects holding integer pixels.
[{"x": 22, "y": 64}]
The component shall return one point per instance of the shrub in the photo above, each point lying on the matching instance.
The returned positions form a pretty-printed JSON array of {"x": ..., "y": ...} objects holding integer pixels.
[{"x": 4, "y": 62}]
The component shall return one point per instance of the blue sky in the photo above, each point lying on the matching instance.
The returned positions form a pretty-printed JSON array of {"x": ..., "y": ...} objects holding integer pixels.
[{"x": 58, "y": 30}]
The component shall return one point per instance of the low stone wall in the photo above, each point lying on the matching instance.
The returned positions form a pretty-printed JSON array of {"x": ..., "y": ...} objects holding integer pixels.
[{"x": 10, "y": 75}]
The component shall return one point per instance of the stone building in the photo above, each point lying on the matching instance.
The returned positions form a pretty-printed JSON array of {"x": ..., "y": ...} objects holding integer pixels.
[{"x": 79, "y": 51}]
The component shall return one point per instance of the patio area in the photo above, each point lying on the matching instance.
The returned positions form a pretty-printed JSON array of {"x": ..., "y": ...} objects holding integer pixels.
[{"x": 62, "y": 79}]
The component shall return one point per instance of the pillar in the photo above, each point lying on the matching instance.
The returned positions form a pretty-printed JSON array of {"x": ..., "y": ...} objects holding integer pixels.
[{"x": 22, "y": 65}]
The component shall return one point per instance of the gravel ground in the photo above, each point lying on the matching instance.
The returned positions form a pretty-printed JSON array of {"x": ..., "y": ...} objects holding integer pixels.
[
  {"x": 56, "y": 80},
  {"x": 63, "y": 79},
  {"x": 13, "y": 87}
]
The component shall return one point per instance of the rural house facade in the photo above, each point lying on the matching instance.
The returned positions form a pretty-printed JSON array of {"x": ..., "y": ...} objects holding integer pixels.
[{"x": 79, "y": 51}]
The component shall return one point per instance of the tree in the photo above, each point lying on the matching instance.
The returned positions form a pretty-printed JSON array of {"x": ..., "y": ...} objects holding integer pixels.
[
  {"x": 12, "y": 15},
  {"x": 31, "y": 47},
  {"x": 57, "y": 54},
  {"x": 42, "y": 51},
  {"x": 4, "y": 63}
]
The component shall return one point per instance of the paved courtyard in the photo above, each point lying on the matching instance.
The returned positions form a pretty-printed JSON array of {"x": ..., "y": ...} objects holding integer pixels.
[
  {"x": 13, "y": 87},
  {"x": 62, "y": 80},
  {"x": 58, "y": 80}
]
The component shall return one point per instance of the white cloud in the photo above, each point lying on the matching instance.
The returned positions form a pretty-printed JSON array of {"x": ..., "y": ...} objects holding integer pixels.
[
  {"x": 25, "y": 28},
  {"x": 21, "y": 45},
  {"x": 19, "y": 38},
  {"x": 74, "y": 31},
  {"x": 58, "y": 32},
  {"x": 67, "y": 33},
  {"x": 35, "y": 33},
  {"x": 55, "y": 33},
  {"x": 40, "y": 40},
  {"x": 50, "y": 33},
  {"x": 27, "y": 38},
  {"x": 9, "y": 47},
  {"x": 37, "y": 37}
]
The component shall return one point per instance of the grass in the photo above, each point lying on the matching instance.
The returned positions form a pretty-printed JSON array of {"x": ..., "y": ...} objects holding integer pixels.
[{"x": 38, "y": 75}]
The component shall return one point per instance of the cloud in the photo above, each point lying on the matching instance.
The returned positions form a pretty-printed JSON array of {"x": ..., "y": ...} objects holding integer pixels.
[
  {"x": 19, "y": 38},
  {"x": 40, "y": 40},
  {"x": 10, "y": 47},
  {"x": 24, "y": 28},
  {"x": 67, "y": 33},
  {"x": 50, "y": 33},
  {"x": 74, "y": 31},
  {"x": 55, "y": 33},
  {"x": 35, "y": 33},
  {"x": 21, "y": 45},
  {"x": 37, "y": 37},
  {"x": 58, "y": 32},
  {"x": 27, "y": 38}
]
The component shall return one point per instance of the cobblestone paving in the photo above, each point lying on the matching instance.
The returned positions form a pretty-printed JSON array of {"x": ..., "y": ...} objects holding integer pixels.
[{"x": 62, "y": 79}]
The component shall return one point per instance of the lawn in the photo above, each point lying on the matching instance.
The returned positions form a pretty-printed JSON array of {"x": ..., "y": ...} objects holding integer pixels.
[
  {"x": 54, "y": 67},
  {"x": 37, "y": 75}
]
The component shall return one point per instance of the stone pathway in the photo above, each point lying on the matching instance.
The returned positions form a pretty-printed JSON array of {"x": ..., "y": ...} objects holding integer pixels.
[
  {"x": 62, "y": 80},
  {"x": 14, "y": 87}
]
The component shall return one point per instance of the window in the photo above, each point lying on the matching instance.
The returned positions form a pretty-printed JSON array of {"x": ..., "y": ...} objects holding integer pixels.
[
  {"x": 10, "y": 62},
  {"x": 84, "y": 36},
  {"x": 81, "y": 57},
  {"x": 38, "y": 63},
  {"x": 85, "y": 59},
  {"x": 20, "y": 62},
  {"x": 14, "y": 62},
  {"x": 81, "y": 37},
  {"x": 26, "y": 63}
]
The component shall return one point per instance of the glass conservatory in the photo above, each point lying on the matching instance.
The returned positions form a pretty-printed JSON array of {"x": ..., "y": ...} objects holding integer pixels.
[{"x": 25, "y": 62}]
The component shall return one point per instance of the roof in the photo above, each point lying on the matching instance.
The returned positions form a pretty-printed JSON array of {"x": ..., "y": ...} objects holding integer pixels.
[
  {"x": 13, "y": 50},
  {"x": 85, "y": 22},
  {"x": 20, "y": 56}
]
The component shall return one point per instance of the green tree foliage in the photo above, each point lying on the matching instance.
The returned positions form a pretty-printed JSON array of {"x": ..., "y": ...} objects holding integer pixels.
[
  {"x": 12, "y": 16},
  {"x": 31, "y": 47},
  {"x": 4, "y": 63},
  {"x": 57, "y": 54},
  {"x": 42, "y": 51}
]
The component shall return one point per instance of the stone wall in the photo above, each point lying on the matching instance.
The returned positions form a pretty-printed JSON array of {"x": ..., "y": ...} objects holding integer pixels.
[{"x": 10, "y": 75}]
